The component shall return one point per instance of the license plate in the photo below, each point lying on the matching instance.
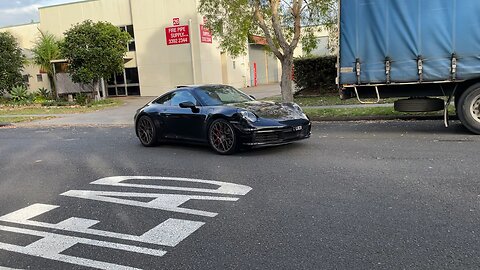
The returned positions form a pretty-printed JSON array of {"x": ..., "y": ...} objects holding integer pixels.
[{"x": 297, "y": 128}]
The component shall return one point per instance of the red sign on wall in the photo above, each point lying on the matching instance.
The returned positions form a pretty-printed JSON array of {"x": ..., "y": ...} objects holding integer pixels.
[
  {"x": 177, "y": 35},
  {"x": 205, "y": 34},
  {"x": 176, "y": 21}
]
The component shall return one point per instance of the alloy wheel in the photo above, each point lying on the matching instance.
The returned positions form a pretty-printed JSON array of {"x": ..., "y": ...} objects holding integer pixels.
[
  {"x": 146, "y": 131},
  {"x": 222, "y": 137}
]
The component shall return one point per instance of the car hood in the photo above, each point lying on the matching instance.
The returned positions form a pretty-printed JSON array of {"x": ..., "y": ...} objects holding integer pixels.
[{"x": 272, "y": 110}]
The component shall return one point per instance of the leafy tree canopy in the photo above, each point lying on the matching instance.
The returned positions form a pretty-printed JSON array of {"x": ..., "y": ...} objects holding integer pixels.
[
  {"x": 284, "y": 23},
  {"x": 12, "y": 61},
  {"x": 94, "y": 50},
  {"x": 46, "y": 49}
]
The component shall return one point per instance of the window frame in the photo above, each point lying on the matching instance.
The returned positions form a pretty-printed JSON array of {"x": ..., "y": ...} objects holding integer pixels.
[{"x": 125, "y": 28}]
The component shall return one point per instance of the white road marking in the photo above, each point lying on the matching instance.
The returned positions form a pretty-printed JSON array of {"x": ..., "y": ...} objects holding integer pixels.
[
  {"x": 225, "y": 188},
  {"x": 168, "y": 233},
  {"x": 167, "y": 202},
  {"x": 51, "y": 245}
]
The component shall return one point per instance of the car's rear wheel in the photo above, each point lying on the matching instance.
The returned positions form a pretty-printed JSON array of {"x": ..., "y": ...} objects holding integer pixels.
[
  {"x": 146, "y": 131},
  {"x": 222, "y": 137}
]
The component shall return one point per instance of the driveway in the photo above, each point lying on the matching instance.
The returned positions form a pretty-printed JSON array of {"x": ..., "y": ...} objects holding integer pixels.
[
  {"x": 263, "y": 91},
  {"x": 122, "y": 115}
]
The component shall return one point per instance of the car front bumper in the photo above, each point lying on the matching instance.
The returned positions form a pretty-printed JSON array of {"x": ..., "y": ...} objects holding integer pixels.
[{"x": 275, "y": 136}]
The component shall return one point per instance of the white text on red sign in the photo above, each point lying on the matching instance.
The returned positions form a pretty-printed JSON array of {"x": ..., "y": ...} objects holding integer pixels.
[{"x": 177, "y": 35}]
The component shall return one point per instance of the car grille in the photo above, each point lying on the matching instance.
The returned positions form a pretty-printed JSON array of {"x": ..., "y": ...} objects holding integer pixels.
[
  {"x": 267, "y": 137},
  {"x": 281, "y": 135}
]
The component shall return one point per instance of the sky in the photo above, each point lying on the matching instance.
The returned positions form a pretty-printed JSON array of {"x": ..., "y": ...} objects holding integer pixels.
[{"x": 13, "y": 12}]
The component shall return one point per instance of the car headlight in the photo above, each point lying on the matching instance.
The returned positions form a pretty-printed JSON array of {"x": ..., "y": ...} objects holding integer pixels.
[
  {"x": 249, "y": 116},
  {"x": 298, "y": 108}
]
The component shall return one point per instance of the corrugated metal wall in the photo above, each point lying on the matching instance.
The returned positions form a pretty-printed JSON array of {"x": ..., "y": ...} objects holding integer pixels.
[{"x": 264, "y": 64}]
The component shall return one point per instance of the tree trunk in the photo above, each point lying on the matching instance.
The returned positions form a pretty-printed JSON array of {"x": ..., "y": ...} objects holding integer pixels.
[
  {"x": 286, "y": 82},
  {"x": 96, "y": 90},
  {"x": 52, "y": 86}
]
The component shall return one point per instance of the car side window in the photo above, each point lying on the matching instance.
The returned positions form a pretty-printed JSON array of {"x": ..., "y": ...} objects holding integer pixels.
[
  {"x": 182, "y": 96},
  {"x": 165, "y": 100}
]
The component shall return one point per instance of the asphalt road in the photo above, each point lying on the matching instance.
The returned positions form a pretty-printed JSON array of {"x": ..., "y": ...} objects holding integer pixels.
[{"x": 369, "y": 195}]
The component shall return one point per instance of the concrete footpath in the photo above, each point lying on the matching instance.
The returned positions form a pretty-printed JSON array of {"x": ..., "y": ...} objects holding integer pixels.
[{"x": 122, "y": 115}]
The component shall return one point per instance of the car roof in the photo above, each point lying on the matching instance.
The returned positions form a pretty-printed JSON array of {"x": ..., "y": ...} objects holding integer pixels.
[{"x": 197, "y": 86}]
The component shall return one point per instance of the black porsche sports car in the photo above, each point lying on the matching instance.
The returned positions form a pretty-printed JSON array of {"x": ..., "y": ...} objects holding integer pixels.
[{"x": 221, "y": 116}]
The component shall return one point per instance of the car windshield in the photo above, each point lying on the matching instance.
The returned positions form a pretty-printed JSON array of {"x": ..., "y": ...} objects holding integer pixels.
[{"x": 220, "y": 95}]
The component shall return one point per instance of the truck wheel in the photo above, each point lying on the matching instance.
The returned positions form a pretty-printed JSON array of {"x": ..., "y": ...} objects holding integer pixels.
[
  {"x": 468, "y": 109},
  {"x": 419, "y": 105}
]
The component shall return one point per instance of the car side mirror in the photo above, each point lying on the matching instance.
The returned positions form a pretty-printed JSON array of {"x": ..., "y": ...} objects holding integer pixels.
[
  {"x": 252, "y": 96},
  {"x": 189, "y": 104}
]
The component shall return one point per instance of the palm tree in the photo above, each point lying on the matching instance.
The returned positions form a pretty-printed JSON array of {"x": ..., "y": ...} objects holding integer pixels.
[{"x": 46, "y": 49}]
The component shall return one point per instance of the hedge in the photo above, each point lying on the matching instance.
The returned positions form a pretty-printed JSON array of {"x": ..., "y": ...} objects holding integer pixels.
[{"x": 315, "y": 74}]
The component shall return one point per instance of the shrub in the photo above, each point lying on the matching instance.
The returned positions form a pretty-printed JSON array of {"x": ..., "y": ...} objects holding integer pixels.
[
  {"x": 3, "y": 100},
  {"x": 316, "y": 74},
  {"x": 81, "y": 99},
  {"x": 19, "y": 93},
  {"x": 39, "y": 99},
  {"x": 43, "y": 92}
]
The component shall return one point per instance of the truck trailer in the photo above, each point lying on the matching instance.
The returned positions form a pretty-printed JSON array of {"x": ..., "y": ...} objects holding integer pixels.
[{"x": 424, "y": 52}]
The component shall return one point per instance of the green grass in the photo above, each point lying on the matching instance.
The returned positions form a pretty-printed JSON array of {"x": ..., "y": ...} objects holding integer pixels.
[
  {"x": 38, "y": 109},
  {"x": 318, "y": 113},
  {"x": 327, "y": 100},
  {"x": 22, "y": 119}
]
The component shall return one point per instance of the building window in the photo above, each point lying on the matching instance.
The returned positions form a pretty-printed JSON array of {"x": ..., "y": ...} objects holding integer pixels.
[
  {"x": 129, "y": 29},
  {"x": 26, "y": 78},
  {"x": 132, "y": 75},
  {"x": 39, "y": 78},
  {"x": 133, "y": 90},
  {"x": 126, "y": 83}
]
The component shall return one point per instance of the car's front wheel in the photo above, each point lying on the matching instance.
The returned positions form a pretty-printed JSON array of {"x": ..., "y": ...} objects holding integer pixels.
[
  {"x": 222, "y": 137},
  {"x": 146, "y": 131}
]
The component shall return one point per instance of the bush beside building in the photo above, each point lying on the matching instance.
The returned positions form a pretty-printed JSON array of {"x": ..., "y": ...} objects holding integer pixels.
[{"x": 315, "y": 75}]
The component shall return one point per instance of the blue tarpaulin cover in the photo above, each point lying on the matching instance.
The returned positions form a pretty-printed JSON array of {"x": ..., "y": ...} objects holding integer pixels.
[{"x": 407, "y": 30}]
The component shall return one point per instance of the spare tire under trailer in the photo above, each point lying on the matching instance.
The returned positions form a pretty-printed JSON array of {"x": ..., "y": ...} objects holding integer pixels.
[{"x": 466, "y": 101}]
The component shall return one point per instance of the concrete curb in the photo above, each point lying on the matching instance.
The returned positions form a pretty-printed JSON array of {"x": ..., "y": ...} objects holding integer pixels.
[
  {"x": 349, "y": 106},
  {"x": 381, "y": 118}
]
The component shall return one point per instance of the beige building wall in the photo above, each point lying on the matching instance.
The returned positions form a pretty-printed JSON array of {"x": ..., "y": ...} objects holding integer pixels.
[
  {"x": 238, "y": 71},
  {"x": 160, "y": 67},
  {"x": 58, "y": 19},
  {"x": 36, "y": 80},
  {"x": 163, "y": 67},
  {"x": 25, "y": 34},
  {"x": 323, "y": 32}
]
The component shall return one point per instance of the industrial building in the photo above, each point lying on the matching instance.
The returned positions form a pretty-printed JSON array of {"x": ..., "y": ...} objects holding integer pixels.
[{"x": 170, "y": 46}]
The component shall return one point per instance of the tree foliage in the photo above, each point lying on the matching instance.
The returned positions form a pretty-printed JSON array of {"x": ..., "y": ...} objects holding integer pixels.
[
  {"x": 94, "y": 51},
  {"x": 284, "y": 24},
  {"x": 45, "y": 50},
  {"x": 12, "y": 61}
]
